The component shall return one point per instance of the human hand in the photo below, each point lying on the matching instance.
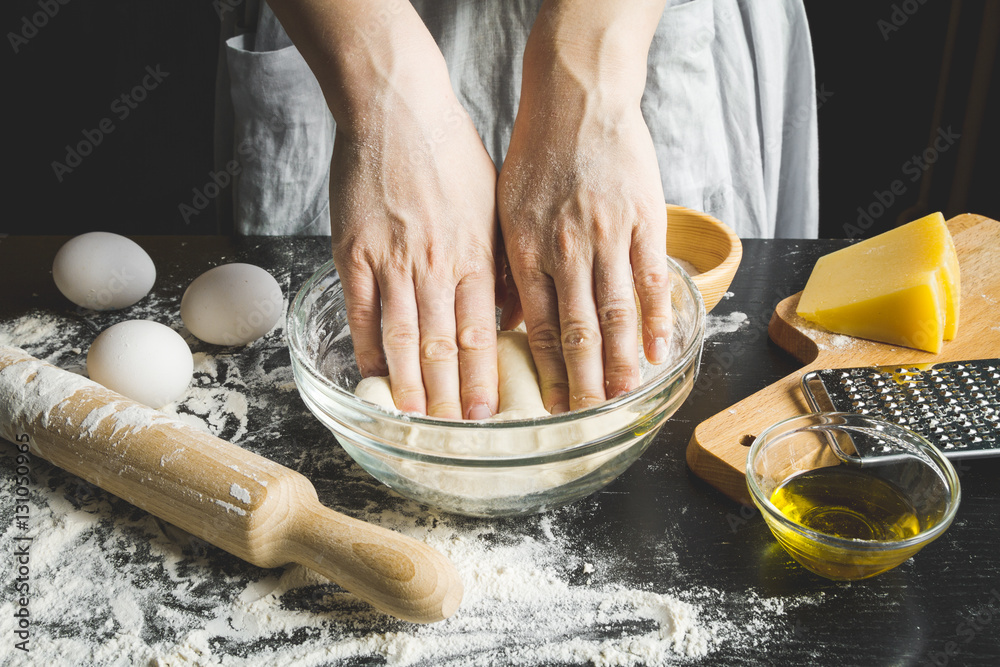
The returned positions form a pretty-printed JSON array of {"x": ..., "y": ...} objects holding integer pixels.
[
  {"x": 583, "y": 218},
  {"x": 413, "y": 213}
]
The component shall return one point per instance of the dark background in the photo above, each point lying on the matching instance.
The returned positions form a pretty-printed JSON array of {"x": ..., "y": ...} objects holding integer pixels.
[{"x": 890, "y": 76}]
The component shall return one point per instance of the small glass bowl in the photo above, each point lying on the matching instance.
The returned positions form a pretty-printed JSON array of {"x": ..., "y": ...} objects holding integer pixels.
[
  {"x": 485, "y": 468},
  {"x": 877, "y": 455}
]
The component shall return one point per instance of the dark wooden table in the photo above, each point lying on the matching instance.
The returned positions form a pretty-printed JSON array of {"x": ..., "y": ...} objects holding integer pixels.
[{"x": 941, "y": 607}]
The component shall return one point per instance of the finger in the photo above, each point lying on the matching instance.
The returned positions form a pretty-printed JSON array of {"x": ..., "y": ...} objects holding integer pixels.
[
  {"x": 541, "y": 318},
  {"x": 364, "y": 317},
  {"x": 475, "y": 317},
  {"x": 580, "y": 334},
  {"x": 401, "y": 342},
  {"x": 439, "y": 348},
  {"x": 618, "y": 319},
  {"x": 652, "y": 283}
]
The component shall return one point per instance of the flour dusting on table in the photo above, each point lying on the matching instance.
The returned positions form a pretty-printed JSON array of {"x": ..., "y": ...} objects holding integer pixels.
[
  {"x": 523, "y": 605},
  {"x": 113, "y": 585},
  {"x": 720, "y": 324}
]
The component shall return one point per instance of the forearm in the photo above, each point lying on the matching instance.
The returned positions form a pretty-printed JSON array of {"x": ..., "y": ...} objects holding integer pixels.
[
  {"x": 362, "y": 51},
  {"x": 596, "y": 47}
]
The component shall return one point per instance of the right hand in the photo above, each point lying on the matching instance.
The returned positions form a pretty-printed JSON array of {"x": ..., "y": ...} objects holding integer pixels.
[
  {"x": 415, "y": 241},
  {"x": 581, "y": 203}
]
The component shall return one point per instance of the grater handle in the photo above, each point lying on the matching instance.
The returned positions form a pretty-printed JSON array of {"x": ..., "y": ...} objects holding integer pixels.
[{"x": 808, "y": 380}]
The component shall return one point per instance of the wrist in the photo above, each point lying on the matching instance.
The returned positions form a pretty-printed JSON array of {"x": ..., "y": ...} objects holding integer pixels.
[
  {"x": 599, "y": 49},
  {"x": 366, "y": 56},
  {"x": 376, "y": 78}
]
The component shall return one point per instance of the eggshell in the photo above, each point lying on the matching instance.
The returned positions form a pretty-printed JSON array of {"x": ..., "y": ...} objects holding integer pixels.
[
  {"x": 103, "y": 271},
  {"x": 232, "y": 304},
  {"x": 143, "y": 360}
]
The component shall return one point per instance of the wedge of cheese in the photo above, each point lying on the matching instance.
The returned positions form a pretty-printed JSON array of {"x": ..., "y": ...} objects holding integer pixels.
[{"x": 901, "y": 287}]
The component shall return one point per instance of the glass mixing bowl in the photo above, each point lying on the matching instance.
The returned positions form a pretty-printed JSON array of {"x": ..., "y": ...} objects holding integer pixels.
[{"x": 486, "y": 468}]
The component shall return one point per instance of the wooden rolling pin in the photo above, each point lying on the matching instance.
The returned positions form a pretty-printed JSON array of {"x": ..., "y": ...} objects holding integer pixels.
[{"x": 250, "y": 506}]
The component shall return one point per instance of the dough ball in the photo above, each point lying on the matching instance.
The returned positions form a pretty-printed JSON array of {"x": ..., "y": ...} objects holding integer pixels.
[
  {"x": 232, "y": 304},
  {"x": 376, "y": 390},
  {"x": 520, "y": 396},
  {"x": 143, "y": 360},
  {"x": 103, "y": 271}
]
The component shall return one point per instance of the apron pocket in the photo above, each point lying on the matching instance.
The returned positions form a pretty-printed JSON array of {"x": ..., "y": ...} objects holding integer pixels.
[{"x": 283, "y": 139}]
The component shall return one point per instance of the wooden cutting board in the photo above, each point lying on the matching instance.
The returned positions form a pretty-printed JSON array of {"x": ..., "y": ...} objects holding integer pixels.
[{"x": 718, "y": 448}]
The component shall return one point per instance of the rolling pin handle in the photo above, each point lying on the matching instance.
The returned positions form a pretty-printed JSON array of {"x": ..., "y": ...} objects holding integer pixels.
[{"x": 394, "y": 573}]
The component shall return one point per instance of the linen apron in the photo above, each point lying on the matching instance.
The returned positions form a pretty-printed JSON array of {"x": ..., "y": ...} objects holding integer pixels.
[{"x": 730, "y": 102}]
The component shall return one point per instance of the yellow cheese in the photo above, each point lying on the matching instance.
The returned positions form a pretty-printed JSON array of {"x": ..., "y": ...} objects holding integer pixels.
[
  {"x": 900, "y": 287},
  {"x": 954, "y": 283}
]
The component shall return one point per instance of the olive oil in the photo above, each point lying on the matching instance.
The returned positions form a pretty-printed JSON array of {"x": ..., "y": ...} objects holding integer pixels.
[{"x": 847, "y": 503}]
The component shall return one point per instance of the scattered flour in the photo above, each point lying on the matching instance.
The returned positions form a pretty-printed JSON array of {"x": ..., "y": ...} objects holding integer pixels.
[
  {"x": 238, "y": 492},
  {"x": 37, "y": 388},
  {"x": 721, "y": 324},
  {"x": 230, "y": 507},
  {"x": 212, "y": 409},
  {"x": 521, "y": 605},
  {"x": 829, "y": 341},
  {"x": 115, "y": 586},
  {"x": 841, "y": 341},
  {"x": 129, "y": 418},
  {"x": 206, "y": 366},
  {"x": 30, "y": 330}
]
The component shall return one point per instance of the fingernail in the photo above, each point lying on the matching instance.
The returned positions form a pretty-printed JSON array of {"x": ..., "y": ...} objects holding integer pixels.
[
  {"x": 480, "y": 411},
  {"x": 658, "y": 351},
  {"x": 559, "y": 408}
]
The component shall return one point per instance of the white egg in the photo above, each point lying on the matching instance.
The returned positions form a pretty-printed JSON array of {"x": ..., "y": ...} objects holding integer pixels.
[
  {"x": 143, "y": 360},
  {"x": 103, "y": 271},
  {"x": 232, "y": 304}
]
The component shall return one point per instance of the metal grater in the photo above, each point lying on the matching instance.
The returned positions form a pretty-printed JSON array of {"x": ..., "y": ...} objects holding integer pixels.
[{"x": 955, "y": 405}]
